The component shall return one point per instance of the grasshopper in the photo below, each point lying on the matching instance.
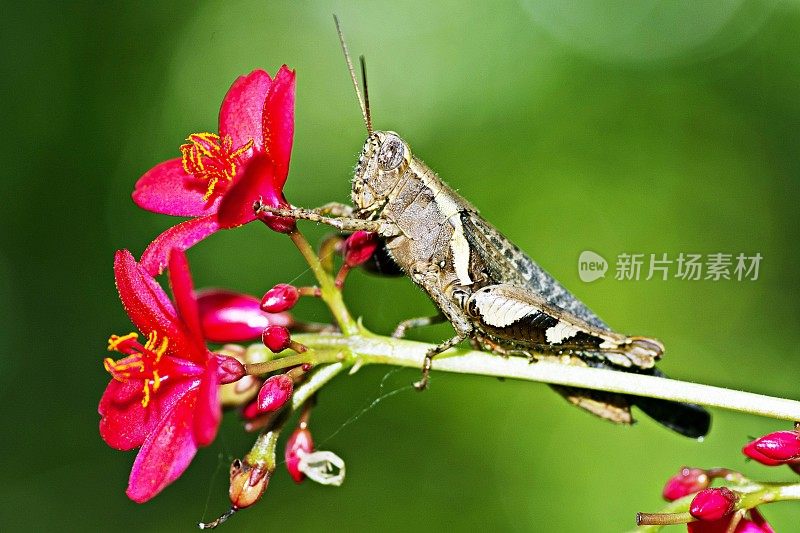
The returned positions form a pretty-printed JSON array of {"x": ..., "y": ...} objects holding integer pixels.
[{"x": 492, "y": 293}]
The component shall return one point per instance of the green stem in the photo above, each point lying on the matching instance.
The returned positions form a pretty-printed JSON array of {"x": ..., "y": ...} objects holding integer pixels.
[
  {"x": 330, "y": 294},
  {"x": 753, "y": 495},
  {"x": 373, "y": 349},
  {"x": 314, "y": 357},
  {"x": 262, "y": 454},
  {"x": 315, "y": 382}
]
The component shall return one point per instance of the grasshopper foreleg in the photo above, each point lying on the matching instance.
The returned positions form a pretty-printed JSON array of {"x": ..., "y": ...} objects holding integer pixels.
[{"x": 384, "y": 228}]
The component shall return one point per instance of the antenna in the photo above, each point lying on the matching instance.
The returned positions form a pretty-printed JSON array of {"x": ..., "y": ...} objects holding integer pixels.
[
  {"x": 361, "y": 101},
  {"x": 366, "y": 92}
]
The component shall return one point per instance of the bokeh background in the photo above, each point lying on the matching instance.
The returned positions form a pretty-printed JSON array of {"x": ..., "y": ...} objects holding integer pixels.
[{"x": 644, "y": 127}]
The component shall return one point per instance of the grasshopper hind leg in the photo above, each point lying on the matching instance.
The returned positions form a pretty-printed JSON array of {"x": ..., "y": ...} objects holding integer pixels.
[
  {"x": 422, "y": 384},
  {"x": 405, "y": 325}
]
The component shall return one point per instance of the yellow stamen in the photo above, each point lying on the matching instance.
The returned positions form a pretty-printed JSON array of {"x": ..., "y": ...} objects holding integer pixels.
[
  {"x": 209, "y": 157},
  {"x": 143, "y": 359},
  {"x": 115, "y": 340},
  {"x": 146, "y": 397},
  {"x": 211, "y": 184},
  {"x": 163, "y": 348}
]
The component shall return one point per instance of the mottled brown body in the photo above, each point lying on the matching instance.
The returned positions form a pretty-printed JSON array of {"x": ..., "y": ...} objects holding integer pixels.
[{"x": 489, "y": 290}]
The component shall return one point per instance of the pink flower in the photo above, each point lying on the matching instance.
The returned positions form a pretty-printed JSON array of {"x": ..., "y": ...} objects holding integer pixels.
[
  {"x": 279, "y": 298},
  {"x": 276, "y": 338},
  {"x": 299, "y": 443},
  {"x": 274, "y": 393},
  {"x": 359, "y": 247},
  {"x": 687, "y": 481},
  {"x": 713, "y": 504},
  {"x": 755, "y": 524},
  {"x": 228, "y": 316},
  {"x": 164, "y": 393},
  {"x": 219, "y": 176},
  {"x": 780, "y": 446}
]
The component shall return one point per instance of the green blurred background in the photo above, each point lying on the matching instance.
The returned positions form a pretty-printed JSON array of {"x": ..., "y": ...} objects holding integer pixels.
[{"x": 646, "y": 127}]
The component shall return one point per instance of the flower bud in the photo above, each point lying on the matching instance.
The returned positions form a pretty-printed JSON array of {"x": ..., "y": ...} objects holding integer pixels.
[
  {"x": 299, "y": 444},
  {"x": 228, "y": 316},
  {"x": 751, "y": 452},
  {"x": 281, "y": 297},
  {"x": 780, "y": 445},
  {"x": 713, "y": 504},
  {"x": 276, "y": 338},
  {"x": 229, "y": 369},
  {"x": 359, "y": 247},
  {"x": 275, "y": 392},
  {"x": 250, "y": 411},
  {"x": 687, "y": 481},
  {"x": 248, "y": 483}
]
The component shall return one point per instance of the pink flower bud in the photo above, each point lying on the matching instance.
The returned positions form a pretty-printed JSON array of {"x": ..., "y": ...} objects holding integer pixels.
[
  {"x": 299, "y": 444},
  {"x": 687, "y": 481},
  {"x": 751, "y": 452},
  {"x": 275, "y": 392},
  {"x": 250, "y": 411},
  {"x": 229, "y": 369},
  {"x": 228, "y": 316},
  {"x": 281, "y": 297},
  {"x": 359, "y": 247},
  {"x": 713, "y": 504},
  {"x": 276, "y": 338},
  {"x": 780, "y": 445}
]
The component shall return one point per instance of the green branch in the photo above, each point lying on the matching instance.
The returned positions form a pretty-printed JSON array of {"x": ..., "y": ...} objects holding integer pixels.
[{"x": 367, "y": 349}]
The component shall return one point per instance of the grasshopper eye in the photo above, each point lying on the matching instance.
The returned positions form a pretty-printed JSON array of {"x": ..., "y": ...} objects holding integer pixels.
[{"x": 392, "y": 154}]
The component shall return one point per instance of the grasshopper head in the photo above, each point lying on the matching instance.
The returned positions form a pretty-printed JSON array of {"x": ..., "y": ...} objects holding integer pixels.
[{"x": 383, "y": 161}]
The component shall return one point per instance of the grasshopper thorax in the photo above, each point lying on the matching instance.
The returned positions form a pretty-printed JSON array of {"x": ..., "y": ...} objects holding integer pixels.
[{"x": 383, "y": 161}]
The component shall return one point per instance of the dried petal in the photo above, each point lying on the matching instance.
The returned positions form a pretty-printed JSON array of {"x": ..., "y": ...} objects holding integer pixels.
[
  {"x": 248, "y": 483},
  {"x": 323, "y": 467}
]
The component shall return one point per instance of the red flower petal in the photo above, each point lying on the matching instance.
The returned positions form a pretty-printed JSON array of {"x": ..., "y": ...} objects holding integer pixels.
[
  {"x": 181, "y": 237},
  {"x": 240, "y": 113},
  {"x": 180, "y": 279},
  {"x": 147, "y": 304},
  {"x": 125, "y": 424},
  {"x": 207, "y": 413},
  {"x": 166, "y": 453},
  {"x": 278, "y": 121},
  {"x": 167, "y": 188},
  {"x": 258, "y": 181},
  {"x": 229, "y": 316}
]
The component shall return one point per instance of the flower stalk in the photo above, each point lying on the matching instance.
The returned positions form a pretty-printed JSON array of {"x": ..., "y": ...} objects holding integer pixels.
[
  {"x": 753, "y": 495},
  {"x": 366, "y": 348}
]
